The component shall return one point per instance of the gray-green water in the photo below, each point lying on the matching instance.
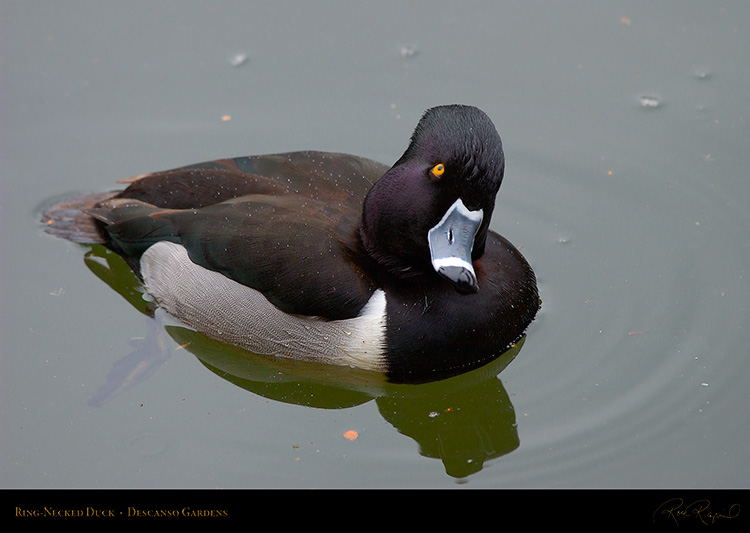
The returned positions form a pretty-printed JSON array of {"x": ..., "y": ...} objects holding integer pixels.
[{"x": 626, "y": 132}]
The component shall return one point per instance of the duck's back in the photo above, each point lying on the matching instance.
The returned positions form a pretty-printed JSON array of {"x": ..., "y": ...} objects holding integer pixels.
[
  {"x": 329, "y": 177},
  {"x": 323, "y": 176}
]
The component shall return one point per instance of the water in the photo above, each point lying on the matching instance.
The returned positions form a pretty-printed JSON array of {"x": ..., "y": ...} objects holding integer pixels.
[{"x": 633, "y": 215}]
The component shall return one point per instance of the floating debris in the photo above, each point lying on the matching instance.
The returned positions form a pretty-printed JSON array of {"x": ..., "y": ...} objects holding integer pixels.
[
  {"x": 702, "y": 74},
  {"x": 408, "y": 51},
  {"x": 650, "y": 101},
  {"x": 238, "y": 60}
]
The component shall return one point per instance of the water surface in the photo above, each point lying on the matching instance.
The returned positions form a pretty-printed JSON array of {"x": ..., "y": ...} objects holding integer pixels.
[{"x": 626, "y": 188}]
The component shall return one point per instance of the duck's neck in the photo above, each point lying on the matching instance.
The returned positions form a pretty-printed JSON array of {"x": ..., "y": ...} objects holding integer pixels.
[
  {"x": 392, "y": 262},
  {"x": 385, "y": 239}
]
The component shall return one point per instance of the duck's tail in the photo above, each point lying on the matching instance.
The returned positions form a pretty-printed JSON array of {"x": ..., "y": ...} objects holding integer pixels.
[
  {"x": 71, "y": 219},
  {"x": 124, "y": 225}
]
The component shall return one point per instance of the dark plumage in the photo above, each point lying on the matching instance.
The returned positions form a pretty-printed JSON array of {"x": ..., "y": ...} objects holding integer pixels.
[{"x": 319, "y": 234}]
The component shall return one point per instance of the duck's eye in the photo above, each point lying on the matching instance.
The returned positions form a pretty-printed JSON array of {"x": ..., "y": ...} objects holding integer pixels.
[{"x": 438, "y": 170}]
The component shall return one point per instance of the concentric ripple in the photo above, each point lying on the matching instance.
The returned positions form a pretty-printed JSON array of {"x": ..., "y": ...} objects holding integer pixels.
[{"x": 644, "y": 288}]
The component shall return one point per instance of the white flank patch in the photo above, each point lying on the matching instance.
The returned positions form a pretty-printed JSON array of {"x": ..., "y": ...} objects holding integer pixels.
[{"x": 233, "y": 313}]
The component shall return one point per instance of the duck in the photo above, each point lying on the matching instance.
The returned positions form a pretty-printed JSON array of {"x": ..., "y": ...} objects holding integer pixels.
[{"x": 330, "y": 257}]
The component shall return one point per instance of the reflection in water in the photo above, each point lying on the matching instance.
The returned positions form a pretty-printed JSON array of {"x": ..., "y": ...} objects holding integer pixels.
[
  {"x": 148, "y": 354},
  {"x": 464, "y": 421},
  {"x": 463, "y": 424}
]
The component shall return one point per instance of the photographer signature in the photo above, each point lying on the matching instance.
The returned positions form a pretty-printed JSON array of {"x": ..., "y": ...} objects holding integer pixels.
[{"x": 676, "y": 509}]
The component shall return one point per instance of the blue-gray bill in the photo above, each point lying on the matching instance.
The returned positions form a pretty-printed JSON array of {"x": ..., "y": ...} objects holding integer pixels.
[{"x": 451, "y": 241}]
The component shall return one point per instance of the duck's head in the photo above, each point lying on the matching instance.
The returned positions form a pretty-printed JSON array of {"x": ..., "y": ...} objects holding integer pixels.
[{"x": 430, "y": 212}]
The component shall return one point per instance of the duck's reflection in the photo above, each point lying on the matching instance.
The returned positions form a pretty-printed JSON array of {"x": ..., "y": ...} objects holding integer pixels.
[{"x": 464, "y": 421}]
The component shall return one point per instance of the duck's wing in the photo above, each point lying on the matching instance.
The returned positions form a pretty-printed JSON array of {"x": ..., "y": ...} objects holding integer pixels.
[
  {"x": 284, "y": 224},
  {"x": 304, "y": 255}
]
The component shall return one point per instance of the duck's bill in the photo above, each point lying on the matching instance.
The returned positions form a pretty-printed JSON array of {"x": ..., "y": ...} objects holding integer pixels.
[{"x": 451, "y": 242}]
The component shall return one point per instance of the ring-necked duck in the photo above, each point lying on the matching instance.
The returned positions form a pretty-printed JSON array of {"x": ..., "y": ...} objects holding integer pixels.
[{"x": 331, "y": 257}]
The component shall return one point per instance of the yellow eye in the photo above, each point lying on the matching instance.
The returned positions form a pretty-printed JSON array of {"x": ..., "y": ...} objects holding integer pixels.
[{"x": 438, "y": 170}]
